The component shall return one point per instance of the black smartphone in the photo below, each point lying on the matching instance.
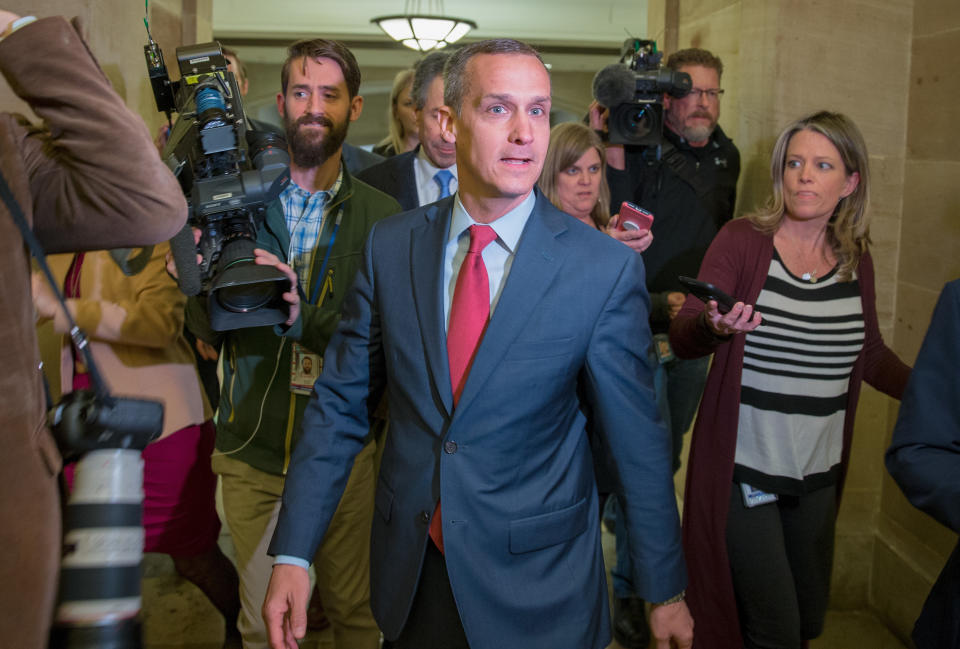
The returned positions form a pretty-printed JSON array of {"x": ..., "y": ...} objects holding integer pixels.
[{"x": 707, "y": 292}]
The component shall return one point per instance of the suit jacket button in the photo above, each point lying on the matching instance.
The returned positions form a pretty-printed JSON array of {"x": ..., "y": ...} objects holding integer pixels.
[
  {"x": 424, "y": 517},
  {"x": 450, "y": 447}
]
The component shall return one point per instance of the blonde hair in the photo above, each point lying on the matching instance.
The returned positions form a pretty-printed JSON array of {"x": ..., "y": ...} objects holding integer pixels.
[
  {"x": 848, "y": 232},
  {"x": 396, "y": 135},
  {"x": 568, "y": 142}
]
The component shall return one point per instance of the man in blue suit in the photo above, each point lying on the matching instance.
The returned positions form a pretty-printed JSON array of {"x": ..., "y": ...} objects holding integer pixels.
[
  {"x": 924, "y": 459},
  {"x": 486, "y": 532},
  {"x": 429, "y": 172}
]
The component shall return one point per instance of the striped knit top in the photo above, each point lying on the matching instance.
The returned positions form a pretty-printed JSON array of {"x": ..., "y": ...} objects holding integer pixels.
[{"x": 796, "y": 372}]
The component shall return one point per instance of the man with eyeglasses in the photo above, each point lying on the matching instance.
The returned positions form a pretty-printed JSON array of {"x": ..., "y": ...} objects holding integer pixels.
[{"x": 691, "y": 190}]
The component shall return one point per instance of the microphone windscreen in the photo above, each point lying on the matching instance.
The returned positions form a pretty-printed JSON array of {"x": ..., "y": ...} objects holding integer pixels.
[
  {"x": 185, "y": 257},
  {"x": 614, "y": 85}
]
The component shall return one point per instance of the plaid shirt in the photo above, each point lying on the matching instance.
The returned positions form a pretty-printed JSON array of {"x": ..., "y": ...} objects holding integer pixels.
[{"x": 305, "y": 214}]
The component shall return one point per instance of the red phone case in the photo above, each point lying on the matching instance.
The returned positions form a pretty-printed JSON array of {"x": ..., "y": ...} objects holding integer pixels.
[{"x": 636, "y": 216}]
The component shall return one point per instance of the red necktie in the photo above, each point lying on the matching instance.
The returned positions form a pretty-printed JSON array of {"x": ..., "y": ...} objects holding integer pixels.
[{"x": 469, "y": 314}]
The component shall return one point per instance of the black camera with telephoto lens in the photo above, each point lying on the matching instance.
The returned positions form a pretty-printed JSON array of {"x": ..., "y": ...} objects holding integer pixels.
[{"x": 98, "y": 602}]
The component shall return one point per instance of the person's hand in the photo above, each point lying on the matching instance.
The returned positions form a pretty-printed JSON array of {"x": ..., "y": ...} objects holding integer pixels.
[
  {"x": 598, "y": 115},
  {"x": 739, "y": 320},
  {"x": 264, "y": 258},
  {"x": 672, "y": 625},
  {"x": 6, "y": 19},
  {"x": 285, "y": 606},
  {"x": 163, "y": 134},
  {"x": 207, "y": 351},
  {"x": 45, "y": 302},
  {"x": 637, "y": 240},
  {"x": 172, "y": 265},
  {"x": 675, "y": 300}
]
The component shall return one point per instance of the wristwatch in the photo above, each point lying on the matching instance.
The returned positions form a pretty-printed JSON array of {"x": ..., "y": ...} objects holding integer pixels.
[
  {"x": 17, "y": 24},
  {"x": 673, "y": 600}
]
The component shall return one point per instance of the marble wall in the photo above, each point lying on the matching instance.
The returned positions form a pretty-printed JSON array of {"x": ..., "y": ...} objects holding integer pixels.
[
  {"x": 911, "y": 548},
  {"x": 115, "y": 33}
]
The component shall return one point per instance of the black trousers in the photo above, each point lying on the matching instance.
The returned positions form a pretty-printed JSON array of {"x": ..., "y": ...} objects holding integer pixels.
[
  {"x": 781, "y": 556},
  {"x": 434, "y": 622}
]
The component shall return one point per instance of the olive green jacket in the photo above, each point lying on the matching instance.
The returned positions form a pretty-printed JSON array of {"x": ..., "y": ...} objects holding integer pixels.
[{"x": 259, "y": 417}]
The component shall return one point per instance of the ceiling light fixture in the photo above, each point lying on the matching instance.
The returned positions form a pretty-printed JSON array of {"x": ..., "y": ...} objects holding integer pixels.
[{"x": 424, "y": 31}]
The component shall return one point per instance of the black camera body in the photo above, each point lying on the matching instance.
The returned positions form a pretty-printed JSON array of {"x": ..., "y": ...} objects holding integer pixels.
[
  {"x": 84, "y": 421},
  {"x": 633, "y": 91},
  {"x": 229, "y": 174}
]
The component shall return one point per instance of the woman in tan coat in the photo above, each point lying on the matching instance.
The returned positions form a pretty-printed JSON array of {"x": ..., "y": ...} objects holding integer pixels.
[{"x": 132, "y": 311}]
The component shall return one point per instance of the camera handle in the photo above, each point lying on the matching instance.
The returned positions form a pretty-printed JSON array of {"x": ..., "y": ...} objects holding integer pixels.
[{"x": 76, "y": 334}]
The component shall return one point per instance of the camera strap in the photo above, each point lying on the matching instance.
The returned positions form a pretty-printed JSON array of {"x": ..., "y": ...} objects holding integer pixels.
[{"x": 76, "y": 334}]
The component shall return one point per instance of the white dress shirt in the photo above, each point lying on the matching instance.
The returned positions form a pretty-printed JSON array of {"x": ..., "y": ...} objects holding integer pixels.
[
  {"x": 428, "y": 191},
  {"x": 497, "y": 257}
]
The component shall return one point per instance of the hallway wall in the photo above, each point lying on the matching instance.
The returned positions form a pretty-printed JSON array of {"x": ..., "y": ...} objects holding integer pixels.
[
  {"x": 911, "y": 547},
  {"x": 116, "y": 35}
]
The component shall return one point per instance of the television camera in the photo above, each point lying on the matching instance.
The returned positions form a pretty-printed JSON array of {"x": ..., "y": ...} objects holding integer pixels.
[
  {"x": 229, "y": 174},
  {"x": 633, "y": 91}
]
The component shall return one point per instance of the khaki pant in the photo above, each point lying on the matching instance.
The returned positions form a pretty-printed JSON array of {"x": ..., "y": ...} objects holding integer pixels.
[{"x": 251, "y": 503}]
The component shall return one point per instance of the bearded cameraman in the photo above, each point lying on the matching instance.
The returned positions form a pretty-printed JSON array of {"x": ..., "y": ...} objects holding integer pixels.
[
  {"x": 89, "y": 179},
  {"x": 691, "y": 189}
]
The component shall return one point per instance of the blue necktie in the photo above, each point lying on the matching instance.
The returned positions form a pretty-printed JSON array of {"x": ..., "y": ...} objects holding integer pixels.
[{"x": 443, "y": 178}]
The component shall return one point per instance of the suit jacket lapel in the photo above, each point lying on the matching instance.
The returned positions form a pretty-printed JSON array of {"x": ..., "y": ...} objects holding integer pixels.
[
  {"x": 408, "y": 184},
  {"x": 427, "y": 244},
  {"x": 537, "y": 259}
]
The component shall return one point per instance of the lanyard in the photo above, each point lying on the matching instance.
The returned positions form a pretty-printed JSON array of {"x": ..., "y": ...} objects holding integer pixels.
[{"x": 321, "y": 280}]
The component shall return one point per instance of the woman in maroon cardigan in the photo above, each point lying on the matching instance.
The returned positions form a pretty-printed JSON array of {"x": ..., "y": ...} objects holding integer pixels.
[{"x": 772, "y": 439}]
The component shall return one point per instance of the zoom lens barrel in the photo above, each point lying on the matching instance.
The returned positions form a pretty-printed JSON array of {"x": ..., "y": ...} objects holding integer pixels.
[{"x": 99, "y": 599}]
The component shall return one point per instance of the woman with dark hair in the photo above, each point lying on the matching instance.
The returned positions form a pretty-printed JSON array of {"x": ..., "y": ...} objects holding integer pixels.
[
  {"x": 772, "y": 440},
  {"x": 401, "y": 117}
]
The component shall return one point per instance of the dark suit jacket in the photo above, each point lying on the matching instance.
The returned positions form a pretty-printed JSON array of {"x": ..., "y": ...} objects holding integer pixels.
[
  {"x": 924, "y": 459},
  {"x": 357, "y": 159},
  {"x": 395, "y": 176},
  {"x": 512, "y": 461}
]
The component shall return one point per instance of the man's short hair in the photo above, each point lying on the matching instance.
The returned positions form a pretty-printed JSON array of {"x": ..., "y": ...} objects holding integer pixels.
[
  {"x": 695, "y": 56},
  {"x": 318, "y": 48},
  {"x": 427, "y": 70},
  {"x": 456, "y": 83}
]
